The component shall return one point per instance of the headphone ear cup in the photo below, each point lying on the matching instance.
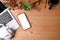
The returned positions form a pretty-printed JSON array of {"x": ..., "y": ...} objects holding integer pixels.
[
  {"x": 54, "y": 2},
  {"x": 51, "y": 3}
]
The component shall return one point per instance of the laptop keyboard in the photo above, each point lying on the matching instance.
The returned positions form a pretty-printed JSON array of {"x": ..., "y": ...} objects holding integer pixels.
[{"x": 5, "y": 18}]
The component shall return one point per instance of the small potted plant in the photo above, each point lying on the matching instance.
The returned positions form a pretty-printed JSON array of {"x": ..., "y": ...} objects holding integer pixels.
[{"x": 26, "y": 6}]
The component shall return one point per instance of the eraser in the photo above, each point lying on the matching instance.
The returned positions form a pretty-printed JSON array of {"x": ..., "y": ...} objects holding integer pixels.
[{"x": 24, "y": 21}]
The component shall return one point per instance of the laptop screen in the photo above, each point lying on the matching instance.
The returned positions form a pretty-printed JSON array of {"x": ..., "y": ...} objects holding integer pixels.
[
  {"x": 2, "y": 7},
  {"x": 5, "y": 17}
]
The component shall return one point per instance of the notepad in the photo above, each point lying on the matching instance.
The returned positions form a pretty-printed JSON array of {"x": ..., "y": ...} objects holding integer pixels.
[
  {"x": 24, "y": 21},
  {"x": 3, "y": 32}
]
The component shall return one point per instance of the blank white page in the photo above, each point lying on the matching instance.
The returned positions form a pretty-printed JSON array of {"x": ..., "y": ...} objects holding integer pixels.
[{"x": 23, "y": 20}]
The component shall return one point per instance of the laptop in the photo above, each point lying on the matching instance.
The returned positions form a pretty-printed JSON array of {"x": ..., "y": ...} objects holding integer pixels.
[
  {"x": 2, "y": 7},
  {"x": 7, "y": 18}
]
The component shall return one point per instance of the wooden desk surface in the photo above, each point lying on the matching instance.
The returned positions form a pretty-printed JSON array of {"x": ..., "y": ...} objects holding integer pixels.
[{"x": 45, "y": 24}]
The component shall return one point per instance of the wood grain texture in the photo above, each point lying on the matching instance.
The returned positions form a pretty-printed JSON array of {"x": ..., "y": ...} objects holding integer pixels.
[{"x": 45, "y": 24}]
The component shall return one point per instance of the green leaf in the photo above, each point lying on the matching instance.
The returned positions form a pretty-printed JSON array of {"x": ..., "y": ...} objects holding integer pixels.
[{"x": 26, "y": 6}]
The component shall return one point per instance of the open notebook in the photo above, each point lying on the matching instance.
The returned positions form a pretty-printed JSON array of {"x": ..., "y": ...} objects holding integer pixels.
[{"x": 3, "y": 31}]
